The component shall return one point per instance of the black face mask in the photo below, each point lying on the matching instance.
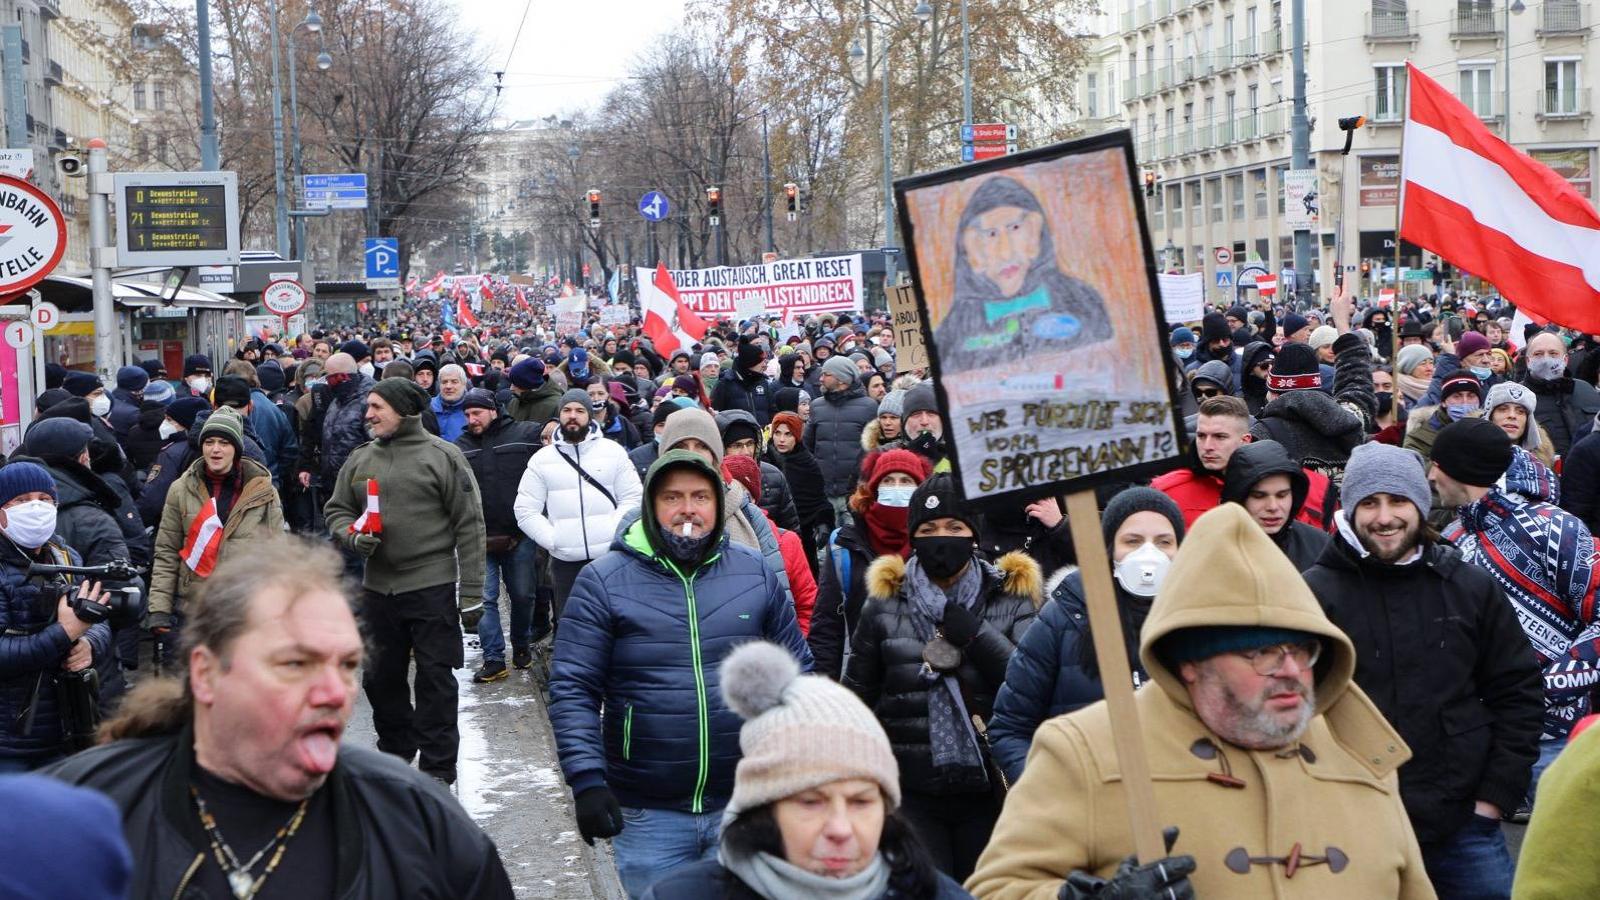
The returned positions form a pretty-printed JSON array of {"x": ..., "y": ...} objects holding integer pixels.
[
  {"x": 1385, "y": 402},
  {"x": 690, "y": 551},
  {"x": 925, "y": 443},
  {"x": 943, "y": 557}
]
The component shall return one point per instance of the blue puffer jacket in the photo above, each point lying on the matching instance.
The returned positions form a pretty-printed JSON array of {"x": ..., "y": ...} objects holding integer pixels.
[
  {"x": 452, "y": 417},
  {"x": 634, "y": 695},
  {"x": 1044, "y": 678},
  {"x": 275, "y": 435},
  {"x": 26, "y": 650}
]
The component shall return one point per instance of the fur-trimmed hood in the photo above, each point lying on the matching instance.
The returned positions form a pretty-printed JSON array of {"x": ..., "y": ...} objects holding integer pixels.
[
  {"x": 1017, "y": 573},
  {"x": 872, "y": 438}
]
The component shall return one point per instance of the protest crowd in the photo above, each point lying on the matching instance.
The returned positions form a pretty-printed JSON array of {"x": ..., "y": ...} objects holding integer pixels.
[{"x": 783, "y": 655}]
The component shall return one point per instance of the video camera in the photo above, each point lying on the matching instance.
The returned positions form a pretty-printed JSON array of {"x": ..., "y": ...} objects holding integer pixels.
[{"x": 123, "y": 606}]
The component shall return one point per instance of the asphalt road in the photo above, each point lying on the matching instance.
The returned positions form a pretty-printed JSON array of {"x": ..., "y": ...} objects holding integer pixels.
[{"x": 509, "y": 782}]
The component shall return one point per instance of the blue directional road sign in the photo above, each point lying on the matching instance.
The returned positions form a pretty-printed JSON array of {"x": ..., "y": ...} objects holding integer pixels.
[
  {"x": 1224, "y": 278},
  {"x": 347, "y": 191},
  {"x": 654, "y": 206},
  {"x": 383, "y": 263}
]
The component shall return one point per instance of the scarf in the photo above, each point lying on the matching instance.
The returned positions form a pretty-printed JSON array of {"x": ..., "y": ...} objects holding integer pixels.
[
  {"x": 1411, "y": 387},
  {"x": 225, "y": 489},
  {"x": 951, "y": 738},
  {"x": 778, "y": 879},
  {"x": 887, "y": 530}
]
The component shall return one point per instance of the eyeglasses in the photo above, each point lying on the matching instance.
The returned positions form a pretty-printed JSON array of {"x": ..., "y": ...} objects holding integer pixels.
[
  {"x": 1207, "y": 393},
  {"x": 1269, "y": 660}
]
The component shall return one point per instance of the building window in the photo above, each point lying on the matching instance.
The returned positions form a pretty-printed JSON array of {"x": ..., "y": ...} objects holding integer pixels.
[
  {"x": 1091, "y": 95},
  {"x": 1196, "y": 202},
  {"x": 1236, "y": 194},
  {"x": 1389, "y": 86},
  {"x": 1561, "y": 86},
  {"x": 161, "y": 148},
  {"x": 1258, "y": 187},
  {"x": 1477, "y": 89},
  {"x": 1214, "y": 188},
  {"x": 158, "y": 95},
  {"x": 138, "y": 95},
  {"x": 1175, "y": 205}
]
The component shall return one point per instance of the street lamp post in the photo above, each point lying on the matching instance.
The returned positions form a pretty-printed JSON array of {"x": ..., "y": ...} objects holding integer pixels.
[
  {"x": 313, "y": 24},
  {"x": 923, "y": 12},
  {"x": 966, "y": 67},
  {"x": 1515, "y": 6},
  {"x": 280, "y": 207}
]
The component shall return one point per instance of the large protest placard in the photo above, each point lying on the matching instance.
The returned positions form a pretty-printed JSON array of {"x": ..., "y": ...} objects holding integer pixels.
[
  {"x": 910, "y": 352},
  {"x": 1046, "y": 334},
  {"x": 1183, "y": 297},
  {"x": 787, "y": 288}
]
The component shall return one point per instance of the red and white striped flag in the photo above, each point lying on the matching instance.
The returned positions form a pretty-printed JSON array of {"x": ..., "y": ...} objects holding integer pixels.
[
  {"x": 522, "y": 300},
  {"x": 668, "y": 321},
  {"x": 200, "y": 548},
  {"x": 464, "y": 313},
  {"x": 1267, "y": 285},
  {"x": 1488, "y": 208},
  {"x": 370, "y": 520}
]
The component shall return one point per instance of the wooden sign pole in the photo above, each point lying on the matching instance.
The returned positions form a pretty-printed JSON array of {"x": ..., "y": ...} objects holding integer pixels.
[{"x": 1105, "y": 625}]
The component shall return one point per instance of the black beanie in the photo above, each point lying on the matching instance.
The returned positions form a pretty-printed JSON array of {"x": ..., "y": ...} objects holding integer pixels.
[
  {"x": 663, "y": 409},
  {"x": 1136, "y": 500},
  {"x": 1295, "y": 368},
  {"x": 1473, "y": 451},
  {"x": 936, "y": 498},
  {"x": 404, "y": 396},
  {"x": 1214, "y": 327},
  {"x": 748, "y": 357},
  {"x": 919, "y": 399}
]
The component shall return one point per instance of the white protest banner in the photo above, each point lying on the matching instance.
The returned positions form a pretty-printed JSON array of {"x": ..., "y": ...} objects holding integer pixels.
[
  {"x": 1183, "y": 297},
  {"x": 789, "y": 288},
  {"x": 615, "y": 314}
]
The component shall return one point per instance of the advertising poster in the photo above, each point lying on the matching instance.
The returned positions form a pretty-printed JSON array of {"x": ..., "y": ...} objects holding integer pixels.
[{"x": 1043, "y": 319}]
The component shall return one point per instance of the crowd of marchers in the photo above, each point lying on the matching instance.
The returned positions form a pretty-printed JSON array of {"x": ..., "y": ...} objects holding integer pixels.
[{"x": 783, "y": 656}]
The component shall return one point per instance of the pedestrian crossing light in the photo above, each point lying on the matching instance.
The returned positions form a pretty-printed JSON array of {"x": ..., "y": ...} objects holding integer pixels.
[
  {"x": 594, "y": 209},
  {"x": 714, "y": 205},
  {"x": 791, "y": 195}
]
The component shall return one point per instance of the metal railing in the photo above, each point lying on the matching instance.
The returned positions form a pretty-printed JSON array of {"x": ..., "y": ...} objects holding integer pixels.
[
  {"x": 1146, "y": 83},
  {"x": 1244, "y": 49},
  {"x": 49, "y": 9},
  {"x": 1224, "y": 134},
  {"x": 1205, "y": 63},
  {"x": 1185, "y": 70},
  {"x": 1475, "y": 22},
  {"x": 1127, "y": 20},
  {"x": 1169, "y": 145},
  {"x": 53, "y": 73},
  {"x": 1391, "y": 26},
  {"x": 1249, "y": 126},
  {"x": 1130, "y": 87},
  {"x": 1272, "y": 42},
  {"x": 1202, "y": 137},
  {"x": 1274, "y": 121},
  {"x": 1563, "y": 17},
  {"x": 1166, "y": 73},
  {"x": 1563, "y": 104}
]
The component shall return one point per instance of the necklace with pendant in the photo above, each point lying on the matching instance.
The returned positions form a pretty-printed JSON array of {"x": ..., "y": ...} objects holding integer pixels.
[{"x": 245, "y": 885}]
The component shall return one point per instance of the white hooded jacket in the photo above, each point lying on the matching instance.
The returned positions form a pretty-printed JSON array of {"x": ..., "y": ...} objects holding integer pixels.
[{"x": 562, "y": 511}]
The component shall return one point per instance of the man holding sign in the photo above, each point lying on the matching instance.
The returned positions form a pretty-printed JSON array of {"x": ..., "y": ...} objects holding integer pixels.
[{"x": 1264, "y": 754}]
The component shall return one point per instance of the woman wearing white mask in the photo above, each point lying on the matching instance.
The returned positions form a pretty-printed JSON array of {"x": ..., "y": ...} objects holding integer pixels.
[{"x": 1054, "y": 669}]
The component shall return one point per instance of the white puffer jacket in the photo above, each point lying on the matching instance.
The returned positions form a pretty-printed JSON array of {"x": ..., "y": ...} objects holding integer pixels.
[{"x": 562, "y": 511}]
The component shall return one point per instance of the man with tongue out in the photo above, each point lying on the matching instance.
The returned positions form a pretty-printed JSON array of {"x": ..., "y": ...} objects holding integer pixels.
[{"x": 231, "y": 780}]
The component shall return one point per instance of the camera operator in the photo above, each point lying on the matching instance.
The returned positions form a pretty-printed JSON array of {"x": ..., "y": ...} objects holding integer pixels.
[{"x": 44, "y": 646}]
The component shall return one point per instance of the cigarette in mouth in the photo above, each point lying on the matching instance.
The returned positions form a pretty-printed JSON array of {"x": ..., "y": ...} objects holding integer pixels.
[{"x": 686, "y": 529}]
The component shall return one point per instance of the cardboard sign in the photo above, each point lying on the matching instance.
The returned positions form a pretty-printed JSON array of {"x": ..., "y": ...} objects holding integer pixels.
[{"x": 910, "y": 351}]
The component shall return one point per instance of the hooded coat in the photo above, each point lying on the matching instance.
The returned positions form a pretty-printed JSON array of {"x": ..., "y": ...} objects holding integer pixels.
[
  {"x": 537, "y": 405},
  {"x": 1252, "y": 462},
  {"x": 634, "y": 693},
  {"x": 1336, "y": 791},
  {"x": 1050, "y": 312},
  {"x": 1317, "y": 430}
]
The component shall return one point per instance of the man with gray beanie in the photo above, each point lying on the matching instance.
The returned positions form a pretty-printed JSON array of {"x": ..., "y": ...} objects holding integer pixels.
[
  {"x": 1439, "y": 650},
  {"x": 834, "y": 433},
  {"x": 572, "y": 495},
  {"x": 1541, "y": 556}
]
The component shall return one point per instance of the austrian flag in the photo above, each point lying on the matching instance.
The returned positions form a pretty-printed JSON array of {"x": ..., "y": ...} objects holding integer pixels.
[
  {"x": 370, "y": 522},
  {"x": 200, "y": 548},
  {"x": 1492, "y": 210}
]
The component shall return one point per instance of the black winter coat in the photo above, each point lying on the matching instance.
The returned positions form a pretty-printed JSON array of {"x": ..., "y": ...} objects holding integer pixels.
[
  {"x": 804, "y": 478},
  {"x": 834, "y": 436},
  {"x": 1566, "y": 409},
  {"x": 886, "y": 656},
  {"x": 644, "y": 456},
  {"x": 837, "y": 613},
  {"x": 1320, "y": 431},
  {"x": 335, "y": 428},
  {"x": 1580, "y": 480},
  {"x": 749, "y": 391},
  {"x": 144, "y": 440},
  {"x": 1440, "y": 652},
  {"x": 399, "y": 834},
  {"x": 498, "y": 458},
  {"x": 1255, "y": 461},
  {"x": 124, "y": 413}
]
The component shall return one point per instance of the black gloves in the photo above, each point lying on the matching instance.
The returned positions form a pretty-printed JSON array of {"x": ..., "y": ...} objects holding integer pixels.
[
  {"x": 599, "y": 816},
  {"x": 1164, "y": 879},
  {"x": 960, "y": 624}
]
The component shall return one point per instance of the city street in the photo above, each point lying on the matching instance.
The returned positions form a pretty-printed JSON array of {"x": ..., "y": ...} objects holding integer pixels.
[{"x": 510, "y": 783}]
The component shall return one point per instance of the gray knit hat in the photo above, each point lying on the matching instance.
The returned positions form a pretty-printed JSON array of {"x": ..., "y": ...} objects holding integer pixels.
[
  {"x": 841, "y": 368},
  {"x": 1323, "y": 336},
  {"x": 574, "y": 395},
  {"x": 800, "y": 731},
  {"x": 693, "y": 422},
  {"x": 1376, "y": 468},
  {"x": 1411, "y": 357},
  {"x": 1511, "y": 392},
  {"x": 892, "y": 403}
]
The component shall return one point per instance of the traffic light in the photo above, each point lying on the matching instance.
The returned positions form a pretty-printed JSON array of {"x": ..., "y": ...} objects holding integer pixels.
[
  {"x": 1149, "y": 184},
  {"x": 594, "y": 209},
  {"x": 791, "y": 194},
  {"x": 714, "y": 205},
  {"x": 1366, "y": 268}
]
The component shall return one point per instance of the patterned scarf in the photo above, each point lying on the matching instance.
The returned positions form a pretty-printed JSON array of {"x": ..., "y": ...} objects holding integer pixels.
[{"x": 951, "y": 737}]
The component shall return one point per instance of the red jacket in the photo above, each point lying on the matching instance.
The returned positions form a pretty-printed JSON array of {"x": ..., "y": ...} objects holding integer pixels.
[
  {"x": 1198, "y": 494},
  {"x": 801, "y": 582}
]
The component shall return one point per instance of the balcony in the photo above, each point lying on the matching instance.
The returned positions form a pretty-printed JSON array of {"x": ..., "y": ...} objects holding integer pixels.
[
  {"x": 1561, "y": 17},
  {"x": 1272, "y": 42},
  {"x": 1186, "y": 70},
  {"x": 1556, "y": 104},
  {"x": 1166, "y": 75},
  {"x": 1169, "y": 146},
  {"x": 1205, "y": 63},
  {"x": 49, "y": 9},
  {"x": 58, "y": 139},
  {"x": 1274, "y": 120},
  {"x": 1202, "y": 137},
  {"x": 1147, "y": 12},
  {"x": 1244, "y": 50},
  {"x": 1127, "y": 20},
  {"x": 1475, "y": 24},
  {"x": 1224, "y": 134},
  {"x": 1249, "y": 127},
  {"x": 1147, "y": 83},
  {"x": 1164, "y": 8},
  {"x": 53, "y": 73},
  {"x": 1130, "y": 88},
  {"x": 1391, "y": 26}
]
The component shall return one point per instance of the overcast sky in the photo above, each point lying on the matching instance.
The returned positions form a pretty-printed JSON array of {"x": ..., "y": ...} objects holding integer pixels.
[{"x": 571, "y": 51}]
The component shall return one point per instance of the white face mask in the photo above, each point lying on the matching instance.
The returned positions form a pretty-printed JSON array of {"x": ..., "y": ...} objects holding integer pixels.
[
  {"x": 31, "y": 524},
  {"x": 100, "y": 405},
  {"x": 168, "y": 429},
  {"x": 200, "y": 385},
  {"x": 365, "y": 369},
  {"x": 1141, "y": 572}
]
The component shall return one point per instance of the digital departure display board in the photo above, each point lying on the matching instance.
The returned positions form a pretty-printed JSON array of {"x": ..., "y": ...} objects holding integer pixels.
[{"x": 177, "y": 218}]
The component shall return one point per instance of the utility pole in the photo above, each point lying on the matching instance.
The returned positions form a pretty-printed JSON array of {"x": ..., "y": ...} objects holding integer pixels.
[
  {"x": 888, "y": 179},
  {"x": 966, "y": 67},
  {"x": 1300, "y": 140},
  {"x": 210, "y": 155},
  {"x": 107, "y": 347},
  {"x": 281, "y": 208}
]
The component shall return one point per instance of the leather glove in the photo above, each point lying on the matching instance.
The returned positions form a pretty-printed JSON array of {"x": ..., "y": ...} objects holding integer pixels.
[
  {"x": 1165, "y": 879},
  {"x": 960, "y": 624},
  {"x": 470, "y": 617},
  {"x": 159, "y": 622},
  {"x": 599, "y": 815},
  {"x": 365, "y": 544}
]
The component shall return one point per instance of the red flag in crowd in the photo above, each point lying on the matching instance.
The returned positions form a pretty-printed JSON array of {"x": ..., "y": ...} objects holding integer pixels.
[
  {"x": 668, "y": 321},
  {"x": 1490, "y": 209},
  {"x": 371, "y": 520},
  {"x": 464, "y": 313},
  {"x": 200, "y": 548},
  {"x": 522, "y": 300}
]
